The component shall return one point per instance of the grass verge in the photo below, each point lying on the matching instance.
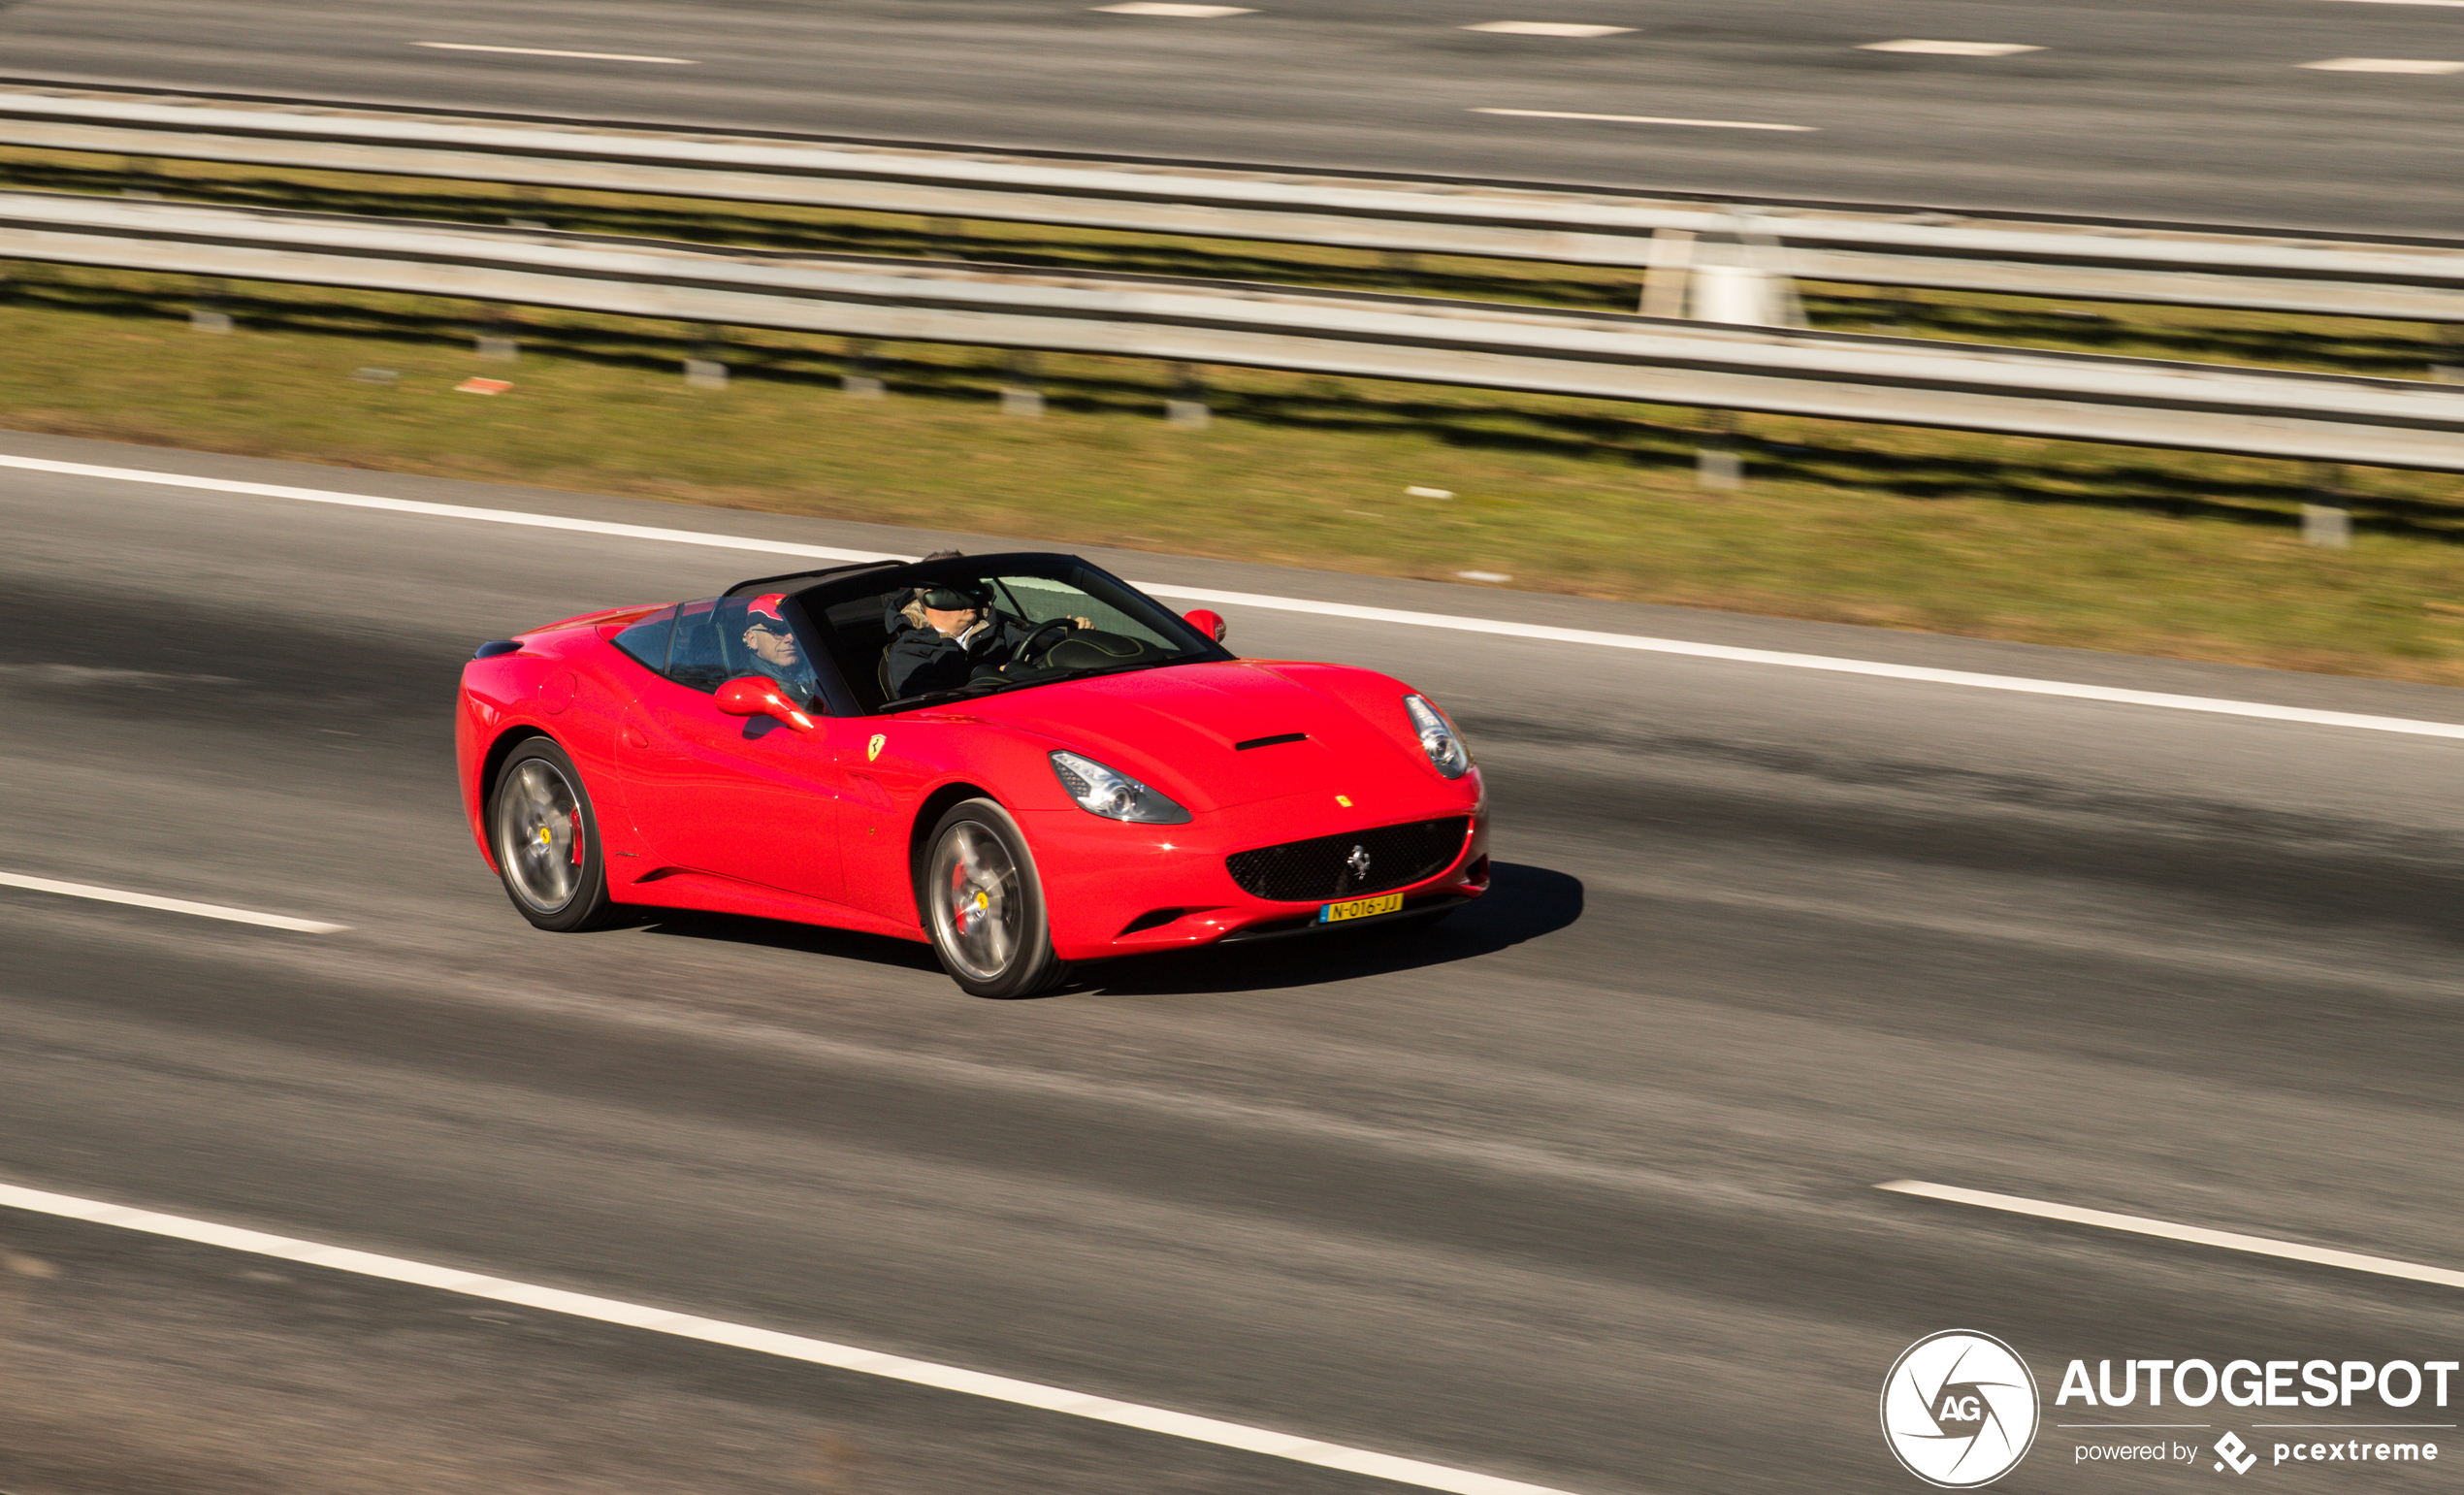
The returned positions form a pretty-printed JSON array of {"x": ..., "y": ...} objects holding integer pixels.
[{"x": 2109, "y": 548}]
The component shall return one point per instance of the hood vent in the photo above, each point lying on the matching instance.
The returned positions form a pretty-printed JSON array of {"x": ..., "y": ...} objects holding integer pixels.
[{"x": 1255, "y": 742}]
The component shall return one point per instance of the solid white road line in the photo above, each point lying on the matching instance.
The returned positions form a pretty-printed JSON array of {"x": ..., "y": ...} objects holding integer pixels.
[
  {"x": 1572, "y": 28},
  {"x": 2020, "y": 684},
  {"x": 2384, "y": 65},
  {"x": 1950, "y": 49},
  {"x": 786, "y": 1347},
  {"x": 168, "y": 906},
  {"x": 550, "y": 51},
  {"x": 2255, "y": 1244},
  {"x": 1703, "y": 124}
]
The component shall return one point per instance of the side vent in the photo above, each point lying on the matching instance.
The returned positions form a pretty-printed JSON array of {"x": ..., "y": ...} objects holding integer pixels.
[
  {"x": 1258, "y": 742},
  {"x": 494, "y": 647}
]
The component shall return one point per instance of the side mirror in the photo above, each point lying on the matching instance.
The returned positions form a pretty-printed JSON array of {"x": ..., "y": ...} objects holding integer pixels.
[
  {"x": 761, "y": 695},
  {"x": 1206, "y": 622}
]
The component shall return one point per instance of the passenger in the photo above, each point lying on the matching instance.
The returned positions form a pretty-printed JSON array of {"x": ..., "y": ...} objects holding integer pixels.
[{"x": 773, "y": 647}]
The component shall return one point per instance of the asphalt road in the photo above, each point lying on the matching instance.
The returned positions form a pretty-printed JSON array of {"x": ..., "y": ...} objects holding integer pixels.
[
  {"x": 2185, "y": 109},
  {"x": 1577, "y": 1188}
]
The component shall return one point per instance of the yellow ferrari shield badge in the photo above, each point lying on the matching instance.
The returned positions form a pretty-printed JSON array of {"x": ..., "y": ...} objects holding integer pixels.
[{"x": 872, "y": 749}]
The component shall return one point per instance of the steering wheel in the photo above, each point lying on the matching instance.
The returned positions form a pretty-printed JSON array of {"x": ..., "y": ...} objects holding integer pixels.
[{"x": 1035, "y": 638}]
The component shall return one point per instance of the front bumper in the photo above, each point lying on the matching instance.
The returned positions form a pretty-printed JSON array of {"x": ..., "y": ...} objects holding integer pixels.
[{"x": 1112, "y": 888}]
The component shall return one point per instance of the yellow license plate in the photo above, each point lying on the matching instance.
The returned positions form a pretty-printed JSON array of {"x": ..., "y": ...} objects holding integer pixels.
[{"x": 1359, "y": 908}]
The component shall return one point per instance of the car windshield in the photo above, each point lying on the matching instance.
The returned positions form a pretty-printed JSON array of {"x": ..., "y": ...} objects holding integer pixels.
[{"x": 1013, "y": 622}]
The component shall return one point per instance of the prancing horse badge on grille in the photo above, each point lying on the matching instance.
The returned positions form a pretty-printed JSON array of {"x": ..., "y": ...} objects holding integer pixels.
[{"x": 1358, "y": 861}]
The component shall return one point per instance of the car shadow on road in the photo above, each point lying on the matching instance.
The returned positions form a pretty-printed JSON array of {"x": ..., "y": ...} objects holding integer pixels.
[
  {"x": 1523, "y": 903},
  {"x": 810, "y": 939}
]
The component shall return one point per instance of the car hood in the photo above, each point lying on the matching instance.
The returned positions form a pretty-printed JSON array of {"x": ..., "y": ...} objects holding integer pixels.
[{"x": 1181, "y": 729}]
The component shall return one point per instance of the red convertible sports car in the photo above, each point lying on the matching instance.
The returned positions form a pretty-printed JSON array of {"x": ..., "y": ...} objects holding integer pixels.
[{"x": 1019, "y": 758}]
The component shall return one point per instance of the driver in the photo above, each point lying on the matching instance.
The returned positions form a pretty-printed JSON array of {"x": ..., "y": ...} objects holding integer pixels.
[
  {"x": 773, "y": 647},
  {"x": 946, "y": 633}
]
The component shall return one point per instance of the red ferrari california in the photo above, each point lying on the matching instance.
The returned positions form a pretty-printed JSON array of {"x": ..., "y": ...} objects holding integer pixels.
[{"x": 1019, "y": 758}]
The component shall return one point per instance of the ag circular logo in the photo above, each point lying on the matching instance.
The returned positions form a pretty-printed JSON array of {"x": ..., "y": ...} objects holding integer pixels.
[{"x": 1960, "y": 1408}]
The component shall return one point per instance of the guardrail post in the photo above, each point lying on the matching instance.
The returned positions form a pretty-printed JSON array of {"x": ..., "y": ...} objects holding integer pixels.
[
  {"x": 702, "y": 369},
  {"x": 494, "y": 340},
  {"x": 526, "y": 198},
  {"x": 143, "y": 175},
  {"x": 1717, "y": 463},
  {"x": 948, "y": 238},
  {"x": 1020, "y": 392},
  {"x": 207, "y": 315},
  {"x": 1664, "y": 278},
  {"x": 860, "y": 381},
  {"x": 1753, "y": 291},
  {"x": 2324, "y": 520},
  {"x": 1734, "y": 294},
  {"x": 1187, "y": 407}
]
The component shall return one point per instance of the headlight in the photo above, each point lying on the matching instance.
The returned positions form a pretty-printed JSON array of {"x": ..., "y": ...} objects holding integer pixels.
[
  {"x": 1114, "y": 795},
  {"x": 1447, "y": 752}
]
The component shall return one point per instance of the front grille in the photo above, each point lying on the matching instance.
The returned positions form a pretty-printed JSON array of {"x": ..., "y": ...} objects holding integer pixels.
[{"x": 1325, "y": 867}]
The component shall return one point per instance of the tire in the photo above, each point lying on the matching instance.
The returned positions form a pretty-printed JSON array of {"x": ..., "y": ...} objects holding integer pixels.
[
  {"x": 545, "y": 836},
  {"x": 982, "y": 904}
]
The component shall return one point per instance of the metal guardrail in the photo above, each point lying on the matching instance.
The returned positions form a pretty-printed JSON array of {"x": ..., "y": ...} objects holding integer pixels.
[
  {"x": 2418, "y": 282},
  {"x": 1896, "y": 382}
]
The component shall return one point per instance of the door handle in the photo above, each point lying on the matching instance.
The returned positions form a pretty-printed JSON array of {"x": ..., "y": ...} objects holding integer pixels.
[{"x": 633, "y": 736}]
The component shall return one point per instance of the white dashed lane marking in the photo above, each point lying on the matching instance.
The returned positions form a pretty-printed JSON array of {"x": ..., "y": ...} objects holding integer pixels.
[
  {"x": 2196, "y": 1235},
  {"x": 1185, "y": 12},
  {"x": 1950, "y": 49},
  {"x": 168, "y": 906},
  {"x": 785, "y": 1346},
  {"x": 2384, "y": 65},
  {"x": 1697, "y": 124},
  {"x": 550, "y": 51},
  {"x": 1571, "y": 28}
]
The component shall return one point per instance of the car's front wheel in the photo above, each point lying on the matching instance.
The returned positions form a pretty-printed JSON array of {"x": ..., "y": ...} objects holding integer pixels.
[
  {"x": 545, "y": 835},
  {"x": 983, "y": 905}
]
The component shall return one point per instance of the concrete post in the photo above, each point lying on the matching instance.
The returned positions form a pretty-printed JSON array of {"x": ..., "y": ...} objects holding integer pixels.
[
  {"x": 1021, "y": 395},
  {"x": 207, "y": 315},
  {"x": 2452, "y": 369},
  {"x": 1737, "y": 294},
  {"x": 1664, "y": 281},
  {"x": 2324, "y": 519},
  {"x": 703, "y": 366},
  {"x": 861, "y": 381},
  {"x": 1717, "y": 464},
  {"x": 1187, "y": 407}
]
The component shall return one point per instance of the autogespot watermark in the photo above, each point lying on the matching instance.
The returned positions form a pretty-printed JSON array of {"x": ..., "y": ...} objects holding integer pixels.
[{"x": 1961, "y": 1409}]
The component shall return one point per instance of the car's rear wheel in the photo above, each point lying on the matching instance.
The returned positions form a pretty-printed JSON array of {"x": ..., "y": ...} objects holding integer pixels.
[
  {"x": 545, "y": 836},
  {"x": 983, "y": 905}
]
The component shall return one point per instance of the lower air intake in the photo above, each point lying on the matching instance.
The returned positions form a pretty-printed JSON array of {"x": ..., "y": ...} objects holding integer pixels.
[{"x": 1348, "y": 865}]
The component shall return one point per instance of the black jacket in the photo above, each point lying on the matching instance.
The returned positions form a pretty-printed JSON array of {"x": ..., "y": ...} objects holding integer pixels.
[{"x": 923, "y": 659}]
